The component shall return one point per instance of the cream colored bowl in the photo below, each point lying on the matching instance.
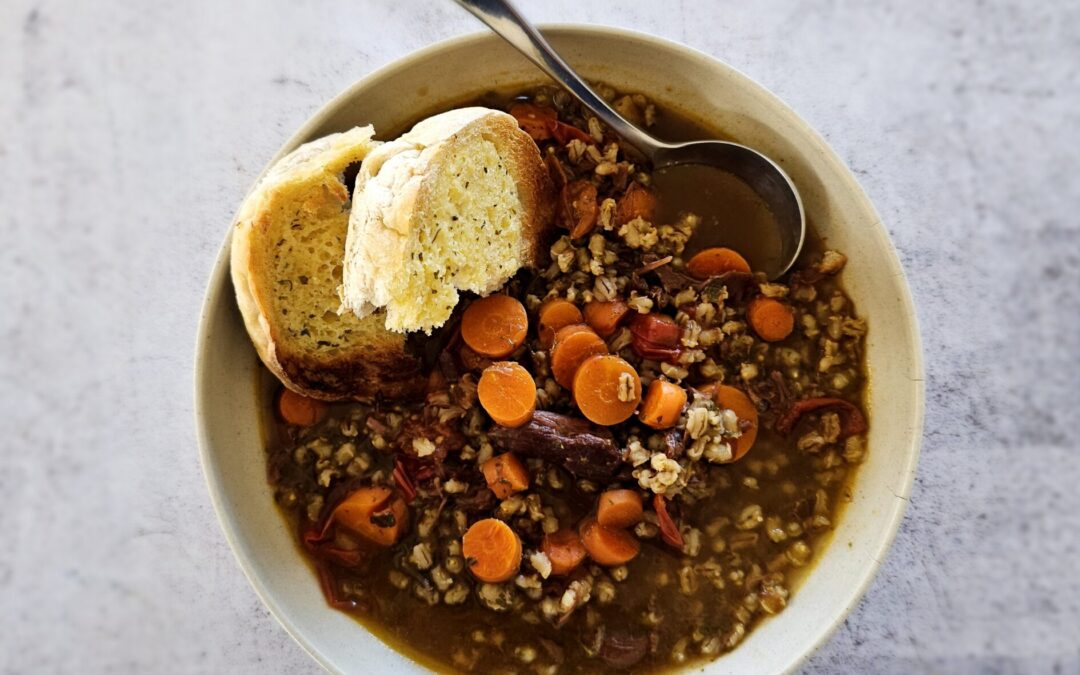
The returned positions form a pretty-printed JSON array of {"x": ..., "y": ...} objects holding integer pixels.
[{"x": 227, "y": 409}]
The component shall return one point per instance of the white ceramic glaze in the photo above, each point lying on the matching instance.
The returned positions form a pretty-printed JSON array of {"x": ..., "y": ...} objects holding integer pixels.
[{"x": 228, "y": 419}]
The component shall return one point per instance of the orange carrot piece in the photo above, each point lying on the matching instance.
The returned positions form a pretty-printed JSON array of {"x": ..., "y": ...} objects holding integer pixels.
[
  {"x": 708, "y": 389},
  {"x": 535, "y": 120},
  {"x": 607, "y": 389},
  {"x": 619, "y": 508},
  {"x": 299, "y": 409},
  {"x": 713, "y": 262},
  {"x": 375, "y": 513},
  {"x": 608, "y": 547},
  {"x": 494, "y": 326},
  {"x": 565, "y": 551},
  {"x": 771, "y": 319},
  {"x": 508, "y": 393},
  {"x": 663, "y": 404},
  {"x": 553, "y": 315},
  {"x": 573, "y": 345},
  {"x": 637, "y": 202},
  {"x": 505, "y": 475},
  {"x": 579, "y": 208},
  {"x": 734, "y": 399},
  {"x": 605, "y": 317},
  {"x": 492, "y": 551}
]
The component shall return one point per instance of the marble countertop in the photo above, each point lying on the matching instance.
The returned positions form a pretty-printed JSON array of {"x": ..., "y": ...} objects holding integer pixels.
[{"x": 130, "y": 131}]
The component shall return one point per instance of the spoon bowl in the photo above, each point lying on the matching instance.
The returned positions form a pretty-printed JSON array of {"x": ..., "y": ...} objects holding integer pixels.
[
  {"x": 775, "y": 249},
  {"x": 778, "y": 238}
]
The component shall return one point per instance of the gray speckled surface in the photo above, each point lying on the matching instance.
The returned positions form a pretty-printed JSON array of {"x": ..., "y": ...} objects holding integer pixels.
[{"x": 129, "y": 133}]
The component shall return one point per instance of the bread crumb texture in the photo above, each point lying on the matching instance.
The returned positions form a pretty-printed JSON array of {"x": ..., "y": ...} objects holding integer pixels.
[
  {"x": 308, "y": 218},
  {"x": 287, "y": 255},
  {"x": 438, "y": 212}
]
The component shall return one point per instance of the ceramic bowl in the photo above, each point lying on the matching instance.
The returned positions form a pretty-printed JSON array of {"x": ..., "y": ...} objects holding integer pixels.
[{"x": 228, "y": 416}]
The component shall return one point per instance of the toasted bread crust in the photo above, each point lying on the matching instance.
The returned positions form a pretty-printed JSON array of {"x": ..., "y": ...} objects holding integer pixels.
[
  {"x": 535, "y": 189},
  {"x": 399, "y": 191},
  {"x": 371, "y": 363}
]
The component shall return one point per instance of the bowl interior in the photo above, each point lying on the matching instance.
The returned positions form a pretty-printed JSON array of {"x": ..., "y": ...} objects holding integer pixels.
[{"x": 228, "y": 418}]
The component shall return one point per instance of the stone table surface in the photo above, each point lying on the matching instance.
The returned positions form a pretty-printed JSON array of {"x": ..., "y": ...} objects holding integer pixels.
[{"x": 130, "y": 131}]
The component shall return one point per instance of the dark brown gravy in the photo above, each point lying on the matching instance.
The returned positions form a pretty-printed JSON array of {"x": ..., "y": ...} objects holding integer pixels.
[{"x": 732, "y": 215}]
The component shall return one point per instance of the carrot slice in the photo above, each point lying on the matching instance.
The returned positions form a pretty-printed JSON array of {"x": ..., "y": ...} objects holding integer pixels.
[
  {"x": 607, "y": 389},
  {"x": 374, "y": 513},
  {"x": 579, "y": 208},
  {"x": 637, "y": 202},
  {"x": 565, "y": 551},
  {"x": 713, "y": 262},
  {"x": 492, "y": 550},
  {"x": 553, "y": 315},
  {"x": 505, "y": 475},
  {"x": 619, "y": 508},
  {"x": 734, "y": 399},
  {"x": 534, "y": 120},
  {"x": 771, "y": 319},
  {"x": 607, "y": 546},
  {"x": 573, "y": 345},
  {"x": 299, "y": 409},
  {"x": 508, "y": 393},
  {"x": 494, "y": 326},
  {"x": 663, "y": 404},
  {"x": 708, "y": 389},
  {"x": 605, "y": 317}
]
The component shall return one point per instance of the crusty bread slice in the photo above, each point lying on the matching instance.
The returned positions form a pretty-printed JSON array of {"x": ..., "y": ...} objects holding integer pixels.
[
  {"x": 459, "y": 203},
  {"x": 287, "y": 249}
]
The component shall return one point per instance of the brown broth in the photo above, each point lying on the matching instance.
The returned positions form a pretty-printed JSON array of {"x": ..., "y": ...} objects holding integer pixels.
[{"x": 427, "y": 634}]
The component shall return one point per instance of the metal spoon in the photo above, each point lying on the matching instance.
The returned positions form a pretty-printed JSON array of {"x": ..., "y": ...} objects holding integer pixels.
[{"x": 763, "y": 175}]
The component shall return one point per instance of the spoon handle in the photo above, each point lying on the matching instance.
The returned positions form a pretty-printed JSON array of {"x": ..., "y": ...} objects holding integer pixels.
[{"x": 503, "y": 18}]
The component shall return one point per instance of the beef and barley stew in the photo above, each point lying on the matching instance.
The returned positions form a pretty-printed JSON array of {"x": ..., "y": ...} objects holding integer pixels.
[{"x": 622, "y": 458}]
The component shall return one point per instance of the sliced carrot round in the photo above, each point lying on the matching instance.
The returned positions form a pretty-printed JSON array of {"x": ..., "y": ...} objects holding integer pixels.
[
  {"x": 299, "y": 409},
  {"x": 573, "y": 344},
  {"x": 734, "y": 399},
  {"x": 605, "y": 317},
  {"x": 607, "y": 546},
  {"x": 375, "y": 513},
  {"x": 607, "y": 389},
  {"x": 637, "y": 202},
  {"x": 663, "y": 404},
  {"x": 771, "y": 319},
  {"x": 565, "y": 551},
  {"x": 553, "y": 315},
  {"x": 495, "y": 326},
  {"x": 492, "y": 550},
  {"x": 579, "y": 207},
  {"x": 505, "y": 475},
  {"x": 535, "y": 120},
  {"x": 713, "y": 262},
  {"x": 619, "y": 508},
  {"x": 508, "y": 393}
]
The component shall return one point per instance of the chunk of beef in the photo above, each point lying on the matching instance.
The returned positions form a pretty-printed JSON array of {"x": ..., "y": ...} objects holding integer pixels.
[{"x": 582, "y": 448}]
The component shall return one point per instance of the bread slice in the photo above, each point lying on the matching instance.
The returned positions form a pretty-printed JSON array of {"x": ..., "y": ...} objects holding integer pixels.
[
  {"x": 287, "y": 249},
  {"x": 459, "y": 203}
]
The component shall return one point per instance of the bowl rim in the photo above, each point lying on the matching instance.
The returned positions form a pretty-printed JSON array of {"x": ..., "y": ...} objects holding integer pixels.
[{"x": 219, "y": 282}]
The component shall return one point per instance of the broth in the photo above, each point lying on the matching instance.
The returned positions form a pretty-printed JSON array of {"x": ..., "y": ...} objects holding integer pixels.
[{"x": 755, "y": 514}]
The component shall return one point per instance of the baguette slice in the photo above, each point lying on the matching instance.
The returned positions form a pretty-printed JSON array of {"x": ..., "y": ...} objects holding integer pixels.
[
  {"x": 459, "y": 203},
  {"x": 287, "y": 248}
]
